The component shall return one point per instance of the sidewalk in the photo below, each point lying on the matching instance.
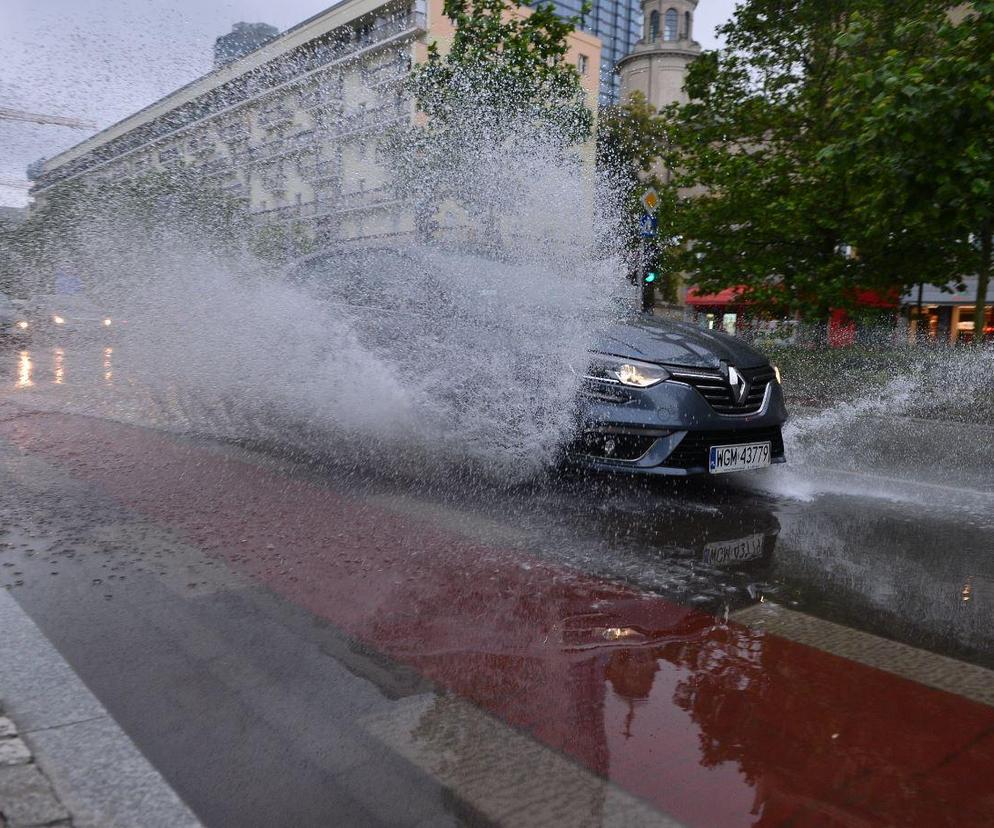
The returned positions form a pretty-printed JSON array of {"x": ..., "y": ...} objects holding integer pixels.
[
  {"x": 27, "y": 798},
  {"x": 65, "y": 761}
]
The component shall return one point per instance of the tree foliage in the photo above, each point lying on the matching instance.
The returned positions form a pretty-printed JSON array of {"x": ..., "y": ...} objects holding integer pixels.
[
  {"x": 83, "y": 221},
  {"x": 631, "y": 137},
  {"x": 502, "y": 83},
  {"x": 507, "y": 63},
  {"x": 775, "y": 207},
  {"x": 918, "y": 138}
]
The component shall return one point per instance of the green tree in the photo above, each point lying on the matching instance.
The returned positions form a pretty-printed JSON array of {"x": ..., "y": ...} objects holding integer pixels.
[
  {"x": 507, "y": 63},
  {"x": 83, "y": 222},
  {"x": 631, "y": 138},
  {"x": 503, "y": 79},
  {"x": 919, "y": 140},
  {"x": 772, "y": 207}
]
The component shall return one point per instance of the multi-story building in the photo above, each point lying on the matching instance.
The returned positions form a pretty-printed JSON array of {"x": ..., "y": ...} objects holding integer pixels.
[
  {"x": 293, "y": 128},
  {"x": 242, "y": 39},
  {"x": 617, "y": 24}
]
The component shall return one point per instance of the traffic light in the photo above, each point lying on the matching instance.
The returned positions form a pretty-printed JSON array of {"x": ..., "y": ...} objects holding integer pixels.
[{"x": 650, "y": 277}]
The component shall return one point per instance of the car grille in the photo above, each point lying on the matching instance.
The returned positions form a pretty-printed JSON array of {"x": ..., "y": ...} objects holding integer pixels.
[
  {"x": 694, "y": 448},
  {"x": 718, "y": 392}
]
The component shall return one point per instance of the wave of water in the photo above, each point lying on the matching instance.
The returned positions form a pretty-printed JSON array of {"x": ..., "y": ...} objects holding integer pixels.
[
  {"x": 923, "y": 434},
  {"x": 449, "y": 354}
]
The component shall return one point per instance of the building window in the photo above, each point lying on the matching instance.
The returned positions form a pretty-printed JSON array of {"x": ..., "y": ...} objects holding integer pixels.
[
  {"x": 654, "y": 27},
  {"x": 686, "y": 25},
  {"x": 672, "y": 21},
  {"x": 582, "y": 62}
]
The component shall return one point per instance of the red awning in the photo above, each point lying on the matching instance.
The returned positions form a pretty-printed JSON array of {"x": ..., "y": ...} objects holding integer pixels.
[{"x": 729, "y": 296}]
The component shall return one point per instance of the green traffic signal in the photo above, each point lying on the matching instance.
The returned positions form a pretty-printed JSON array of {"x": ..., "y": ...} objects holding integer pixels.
[{"x": 650, "y": 278}]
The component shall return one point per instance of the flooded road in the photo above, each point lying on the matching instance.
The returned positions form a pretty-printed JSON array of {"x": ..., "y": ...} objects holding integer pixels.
[{"x": 297, "y": 641}]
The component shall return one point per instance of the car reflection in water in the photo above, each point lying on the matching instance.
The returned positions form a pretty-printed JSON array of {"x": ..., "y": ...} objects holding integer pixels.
[{"x": 712, "y": 546}]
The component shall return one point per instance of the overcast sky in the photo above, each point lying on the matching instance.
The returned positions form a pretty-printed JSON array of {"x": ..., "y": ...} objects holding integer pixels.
[{"x": 101, "y": 60}]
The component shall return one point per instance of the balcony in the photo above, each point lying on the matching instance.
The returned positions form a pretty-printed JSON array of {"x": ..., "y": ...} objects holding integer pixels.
[
  {"x": 234, "y": 132},
  {"x": 321, "y": 171},
  {"x": 281, "y": 116},
  {"x": 390, "y": 72},
  {"x": 274, "y": 183},
  {"x": 365, "y": 198},
  {"x": 323, "y": 97},
  {"x": 368, "y": 120},
  {"x": 216, "y": 166}
]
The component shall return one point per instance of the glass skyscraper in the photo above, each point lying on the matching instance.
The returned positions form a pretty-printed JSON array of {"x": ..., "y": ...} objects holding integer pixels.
[{"x": 618, "y": 23}]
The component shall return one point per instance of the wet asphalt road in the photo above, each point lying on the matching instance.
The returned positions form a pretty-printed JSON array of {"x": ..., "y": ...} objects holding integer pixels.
[{"x": 293, "y": 644}]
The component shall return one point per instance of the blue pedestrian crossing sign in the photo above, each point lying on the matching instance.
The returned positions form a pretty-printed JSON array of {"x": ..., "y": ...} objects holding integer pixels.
[
  {"x": 648, "y": 226},
  {"x": 67, "y": 284}
]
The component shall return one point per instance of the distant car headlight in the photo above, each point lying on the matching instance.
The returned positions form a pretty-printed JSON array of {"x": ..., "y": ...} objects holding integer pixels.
[
  {"x": 22, "y": 325},
  {"x": 776, "y": 373},
  {"x": 628, "y": 372},
  {"x": 106, "y": 323},
  {"x": 58, "y": 320}
]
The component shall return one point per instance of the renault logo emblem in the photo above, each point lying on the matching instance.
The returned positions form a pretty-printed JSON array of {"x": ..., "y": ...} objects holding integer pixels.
[{"x": 739, "y": 385}]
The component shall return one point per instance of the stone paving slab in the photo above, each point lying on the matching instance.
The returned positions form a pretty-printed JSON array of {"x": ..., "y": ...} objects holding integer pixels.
[
  {"x": 27, "y": 798},
  {"x": 13, "y": 751},
  {"x": 503, "y": 775},
  {"x": 941, "y": 672}
]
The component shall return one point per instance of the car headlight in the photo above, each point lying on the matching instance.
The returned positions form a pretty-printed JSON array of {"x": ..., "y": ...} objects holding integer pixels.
[
  {"x": 22, "y": 325},
  {"x": 628, "y": 372},
  {"x": 58, "y": 320},
  {"x": 106, "y": 323},
  {"x": 776, "y": 373}
]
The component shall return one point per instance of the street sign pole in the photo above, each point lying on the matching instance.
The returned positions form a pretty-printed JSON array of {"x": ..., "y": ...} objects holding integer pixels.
[{"x": 648, "y": 225}]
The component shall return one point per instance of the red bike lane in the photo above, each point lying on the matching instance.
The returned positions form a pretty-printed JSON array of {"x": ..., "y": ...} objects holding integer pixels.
[{"x": 712, "y": 722}]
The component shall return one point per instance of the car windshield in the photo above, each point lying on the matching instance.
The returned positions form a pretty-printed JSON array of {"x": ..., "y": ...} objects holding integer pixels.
[{"x": 64, "y": 304}]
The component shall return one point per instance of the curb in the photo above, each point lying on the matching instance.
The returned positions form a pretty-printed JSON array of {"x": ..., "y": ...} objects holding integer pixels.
[{"x": 66, "y": 744}]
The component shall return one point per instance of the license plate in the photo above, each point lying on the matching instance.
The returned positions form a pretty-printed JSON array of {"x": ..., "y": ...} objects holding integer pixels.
[
  {"x": 725, "y": 459},
  {"x": 723, "y": 553}
]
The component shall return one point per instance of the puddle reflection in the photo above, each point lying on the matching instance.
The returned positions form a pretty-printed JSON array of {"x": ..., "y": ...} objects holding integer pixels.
[
  {"x": 24, "y": 370},
  {"x": 93, "y": 366},
  {"x": 58, "y": 369}
]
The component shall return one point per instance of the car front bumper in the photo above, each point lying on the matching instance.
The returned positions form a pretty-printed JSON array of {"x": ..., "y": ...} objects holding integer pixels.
[{"x": 668, "y": 429}]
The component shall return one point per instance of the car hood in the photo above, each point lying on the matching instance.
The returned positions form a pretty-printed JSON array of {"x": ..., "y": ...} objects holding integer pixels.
[{"x": 676, "y": 343}]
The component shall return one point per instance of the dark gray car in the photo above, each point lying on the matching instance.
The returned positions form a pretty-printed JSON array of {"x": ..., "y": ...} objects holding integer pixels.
[
  {"x": 657, "y": 397},
  {"x": 670, "y": 398}
]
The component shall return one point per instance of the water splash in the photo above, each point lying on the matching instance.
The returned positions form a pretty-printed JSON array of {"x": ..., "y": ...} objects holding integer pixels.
[
  {"x": 914, "y": 423},
  {"x": 443, "y": 349}
]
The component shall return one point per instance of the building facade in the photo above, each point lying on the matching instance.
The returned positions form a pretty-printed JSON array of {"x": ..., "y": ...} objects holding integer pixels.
[
  {"x": 294, "y": 128},
  {"x": 242, "y": 39},
  {"x": 657, "y": 64},
  {"x": 618, "y": 25},
  {"x": 938, "y": 315}
]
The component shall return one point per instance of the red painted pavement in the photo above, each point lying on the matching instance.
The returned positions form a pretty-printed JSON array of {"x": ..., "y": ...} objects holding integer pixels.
[{"x": 715, "y": 724}]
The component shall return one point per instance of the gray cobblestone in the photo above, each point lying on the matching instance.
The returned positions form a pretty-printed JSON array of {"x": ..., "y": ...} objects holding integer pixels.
[
  {"x": 27, "y": 798},
  {"x": 13, "y": 752}
]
